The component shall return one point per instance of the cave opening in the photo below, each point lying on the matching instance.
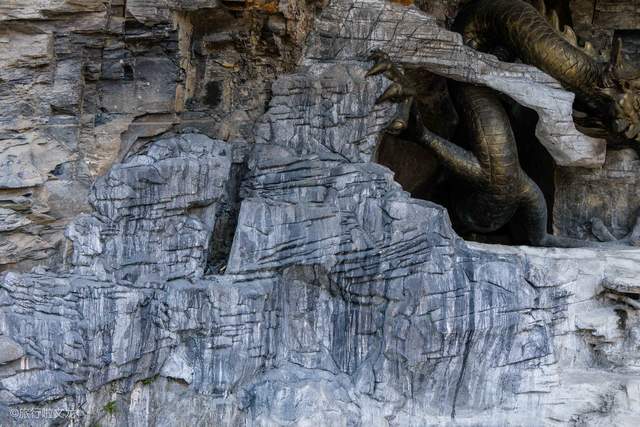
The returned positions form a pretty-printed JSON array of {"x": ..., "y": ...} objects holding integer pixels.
[{"x": 420, "y": 173}]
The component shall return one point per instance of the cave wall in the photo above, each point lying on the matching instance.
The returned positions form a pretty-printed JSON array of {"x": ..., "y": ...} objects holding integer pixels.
[
  {"x": 575, "y": 196},
  {"x": 86, "y": 84}
]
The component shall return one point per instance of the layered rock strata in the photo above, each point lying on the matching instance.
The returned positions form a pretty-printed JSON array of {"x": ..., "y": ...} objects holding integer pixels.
[{"x": 341, "y": 300}]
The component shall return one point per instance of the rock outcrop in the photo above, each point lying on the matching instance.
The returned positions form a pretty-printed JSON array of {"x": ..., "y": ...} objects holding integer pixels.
[
  {"x": 158, "y": 212},
  {"x": 339, "y": 299},
  {"x": 84, "y": 84},
  {"x": 352, "y": 29}
]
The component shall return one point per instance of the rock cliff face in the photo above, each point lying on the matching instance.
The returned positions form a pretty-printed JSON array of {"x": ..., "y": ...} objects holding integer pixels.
[
  {"x": 240, "y": 258},
  {"x": 84, "y": 84}
]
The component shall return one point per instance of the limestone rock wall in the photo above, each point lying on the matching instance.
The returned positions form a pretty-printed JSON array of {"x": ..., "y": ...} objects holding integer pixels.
[
  {"x": 280, "y": 277},
  {"x": 85, "y": 83},
  {"x": 158, "y": 212}
]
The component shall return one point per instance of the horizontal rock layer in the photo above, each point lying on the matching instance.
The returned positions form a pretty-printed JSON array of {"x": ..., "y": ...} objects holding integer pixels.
[
  {"x": 339, "y": 283},
  {"x": 156, "y": 212},
  {"x": 343, "y": 300},
  {"x": 350, "y": 30},
  {"x": 84, "y": 84}
]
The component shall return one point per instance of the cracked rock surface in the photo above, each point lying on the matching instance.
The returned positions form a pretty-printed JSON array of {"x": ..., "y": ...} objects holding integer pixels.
[
  {"x": 86, "y": 83},
  {"x": 339, "y": 299},
  {"x": 173, "y": 196}
]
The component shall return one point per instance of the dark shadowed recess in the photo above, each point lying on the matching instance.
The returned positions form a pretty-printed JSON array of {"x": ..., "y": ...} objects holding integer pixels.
[{"x": 419, "y": 172}]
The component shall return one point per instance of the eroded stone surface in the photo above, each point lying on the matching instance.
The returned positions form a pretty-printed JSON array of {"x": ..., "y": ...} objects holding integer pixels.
[
  {"x": 342, "y": 285},
  {"x": 84, "y": 84},
  {"x": 350, "y": 30},
  {"x": 344, "y": 301},
  {"x": 10, "y": 350},
  {"x": 157, "y": 212}
]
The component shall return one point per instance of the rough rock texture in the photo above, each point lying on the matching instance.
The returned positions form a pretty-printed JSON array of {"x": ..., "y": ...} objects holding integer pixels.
[
  {"x": 157, "y": 212},
  {"x": 339, "y": 285},
  {"x": 412, "y": 38},
  {"x": 86, "y": 83},
  {"x": 343, "y": 300}
]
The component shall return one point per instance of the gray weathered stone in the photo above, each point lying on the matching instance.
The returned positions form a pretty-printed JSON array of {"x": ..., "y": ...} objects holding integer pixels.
[
  {"x": 377, "y": 305},
  {"x": 84, "y": 84},
  {"x": 349, "y": 30},
  {"x": 156, "y": 213},
  {"x": 10, "y": 350},
  {"x": 343, "y": 302}
]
